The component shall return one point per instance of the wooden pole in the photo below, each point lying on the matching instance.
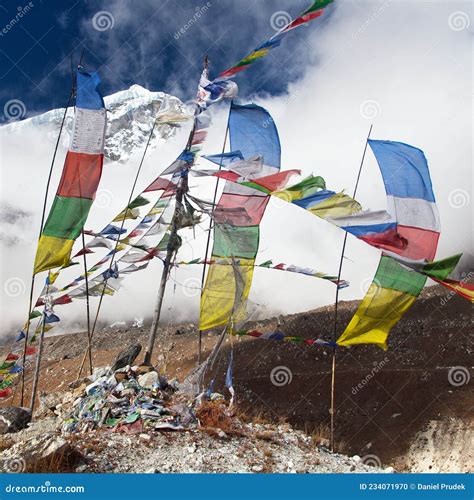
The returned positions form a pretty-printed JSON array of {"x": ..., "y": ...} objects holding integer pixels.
[
  {"x": 88, "y": 315},
  {"x": 333, "y": 370},
  {"x": 171, "y": 249},
  {"x": 209, "y": 229},
  {"x": 115, "y": 249},
  {"x": 172, "y": 244}
]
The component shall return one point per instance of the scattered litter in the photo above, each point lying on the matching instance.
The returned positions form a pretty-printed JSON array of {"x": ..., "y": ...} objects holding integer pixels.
[{"x": 130, "y": 400}]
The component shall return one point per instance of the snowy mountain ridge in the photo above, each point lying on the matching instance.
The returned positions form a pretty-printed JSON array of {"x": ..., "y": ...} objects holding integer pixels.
[{"x": 129, "y": 121}]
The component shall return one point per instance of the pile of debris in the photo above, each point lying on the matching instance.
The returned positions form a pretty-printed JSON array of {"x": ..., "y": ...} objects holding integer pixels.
[{"x": 128, "y": 399}]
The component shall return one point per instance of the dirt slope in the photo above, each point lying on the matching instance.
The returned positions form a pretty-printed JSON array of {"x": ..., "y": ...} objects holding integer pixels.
[{"x": 384, "y": 400}]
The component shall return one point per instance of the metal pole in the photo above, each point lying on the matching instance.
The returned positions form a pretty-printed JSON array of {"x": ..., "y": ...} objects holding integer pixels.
[{"x": 333, "y": 370}]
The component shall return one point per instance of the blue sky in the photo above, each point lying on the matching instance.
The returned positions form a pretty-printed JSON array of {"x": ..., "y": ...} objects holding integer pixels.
[{"x": 140, "y": 46}]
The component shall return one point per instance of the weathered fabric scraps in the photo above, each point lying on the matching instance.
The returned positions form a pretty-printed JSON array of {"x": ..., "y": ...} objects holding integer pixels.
[
  {"x": 269, "y": 265},
  {"x": 280, "y": 336}
]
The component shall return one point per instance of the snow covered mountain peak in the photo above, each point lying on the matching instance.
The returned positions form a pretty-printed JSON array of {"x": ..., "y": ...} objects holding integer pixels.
[{"x": 130, "y": 116}]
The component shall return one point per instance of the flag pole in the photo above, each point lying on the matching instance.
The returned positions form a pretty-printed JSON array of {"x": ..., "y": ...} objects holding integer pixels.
[
  {"x": 210, "y": 227},
  {"x": 333, "y": 369},
  {"x": 173, "y": 243},
  {"x": 43, "y": 215},
  {"x": 150, "y": 136},
  {"x": 39, "y": 355},
  {"x": 88, "y": 313}
]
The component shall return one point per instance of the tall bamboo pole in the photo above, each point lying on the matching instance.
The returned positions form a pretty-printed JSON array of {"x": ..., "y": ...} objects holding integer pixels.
[{"x": 333, "y": 369}]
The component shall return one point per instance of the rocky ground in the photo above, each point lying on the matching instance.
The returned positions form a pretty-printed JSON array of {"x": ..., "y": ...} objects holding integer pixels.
[
  {"x": 410, "y": 407},
  {"x": 258, "y": 448},
  {"x": 142, "y": 423}
]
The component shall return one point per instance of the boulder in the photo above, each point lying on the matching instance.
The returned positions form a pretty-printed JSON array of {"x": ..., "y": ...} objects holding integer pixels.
[
  {"x": 46, "y": 453},
  {"x": 126, "y": 357},
  {"x": 49, "y": 401},
  {"x": 14, "y": 419},
  {"x": 149, "y": 380}
]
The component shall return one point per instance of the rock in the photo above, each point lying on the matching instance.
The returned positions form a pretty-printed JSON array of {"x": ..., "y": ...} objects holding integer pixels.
[
  {"x": 79, "y": 390},
  {"x": 221, "y": 434},
  {"x": 140, "y": 370},
  {"x": 126, "y": 357},
  {"x": 148, "y": 380},
  {"x": 14, "y": 419},
  {"x": 46, "y": 453},
  {"x": 49, "y": 401},
  {"x": 99, "y": 372},
  {"x": 215, "y": 396}
]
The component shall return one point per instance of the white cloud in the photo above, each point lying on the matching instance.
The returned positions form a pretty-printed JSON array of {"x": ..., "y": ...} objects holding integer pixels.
[{"x": 404, "y": 60}]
